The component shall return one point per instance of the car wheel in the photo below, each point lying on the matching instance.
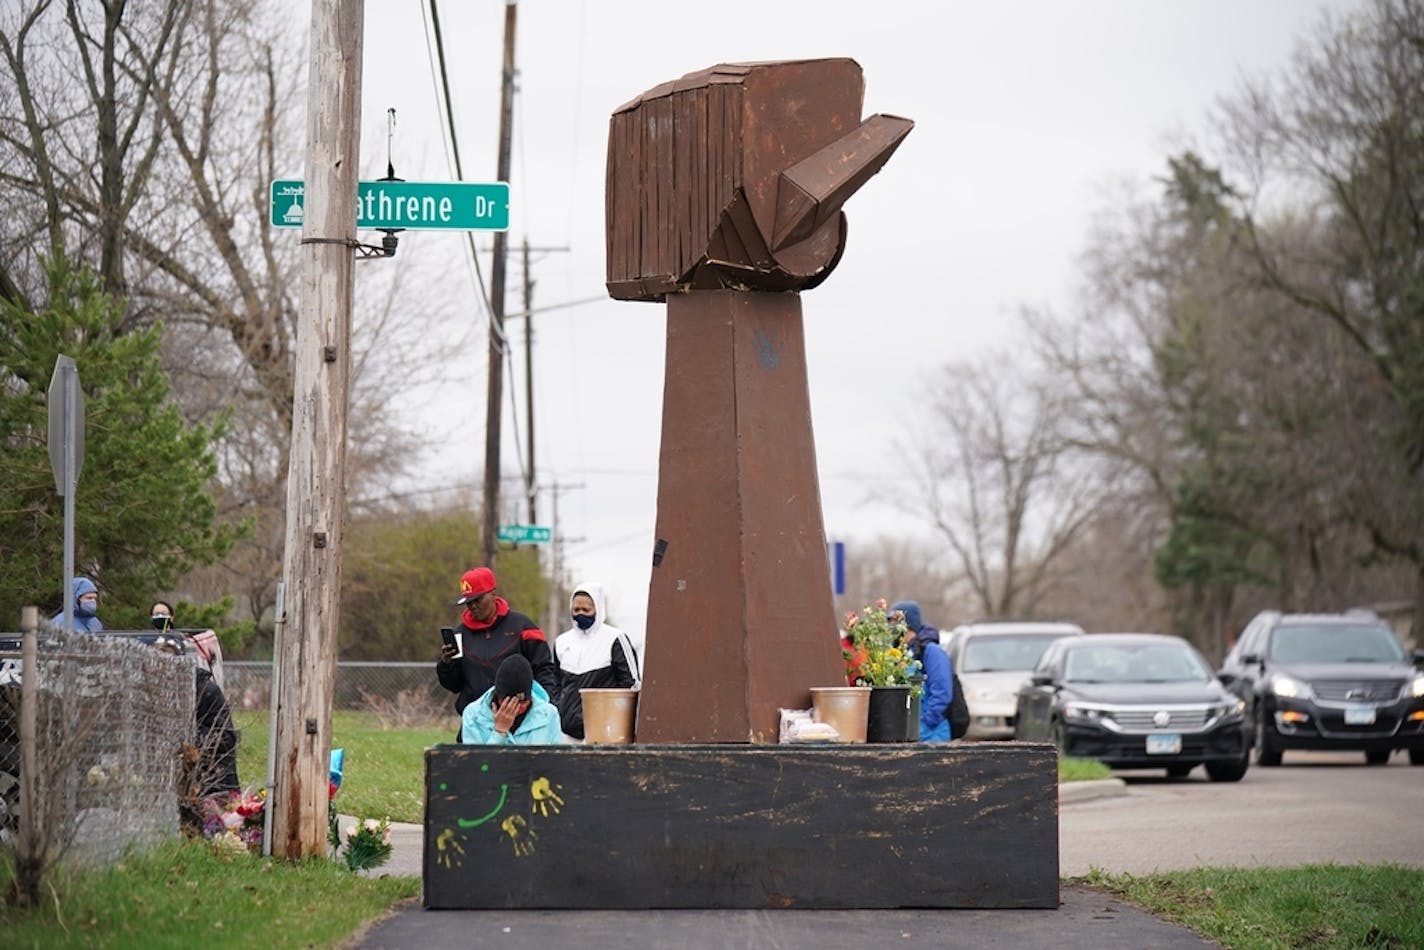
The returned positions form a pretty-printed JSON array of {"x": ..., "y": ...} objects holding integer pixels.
[
  {"x": 1179, "y": 771},
  {"x": 1266, "y": 752},
  {"x": 1416, "y": 756},
  {"x": 1059, "y": 734},
  {"x": 1226, "y": 771},
  {"x": 1377, "y": 756}
]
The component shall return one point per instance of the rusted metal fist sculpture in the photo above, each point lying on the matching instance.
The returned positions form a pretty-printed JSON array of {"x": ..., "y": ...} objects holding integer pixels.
[
  {"x": 724, "y": 199},
  {"x": 734, "y": 177}
]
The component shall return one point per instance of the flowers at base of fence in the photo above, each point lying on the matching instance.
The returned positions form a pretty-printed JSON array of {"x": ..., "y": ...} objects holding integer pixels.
[
  {"x": 368, "y": 844},
  {"x": 234, "y": 821}
]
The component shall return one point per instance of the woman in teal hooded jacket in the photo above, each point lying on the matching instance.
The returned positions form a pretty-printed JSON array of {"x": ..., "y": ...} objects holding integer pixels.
[{"x": 514, "y": 711}]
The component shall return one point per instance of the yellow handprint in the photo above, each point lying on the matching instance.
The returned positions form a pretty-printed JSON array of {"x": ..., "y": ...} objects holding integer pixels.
[
  {"x": 448, "y": 850},
  {"x": 546, "y": 797},
  {"x": 517, "y": 828}
]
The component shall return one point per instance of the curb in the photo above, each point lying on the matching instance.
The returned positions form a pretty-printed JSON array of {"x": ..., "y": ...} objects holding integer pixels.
[{"x": 1070, "y": 792}]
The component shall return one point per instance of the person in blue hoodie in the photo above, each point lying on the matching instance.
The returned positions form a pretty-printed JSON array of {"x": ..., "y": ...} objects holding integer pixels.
[
  {"x": 86, "y": 607},
  {"x": 514, "y": 711},
  {"x": 923, "y": 640}
]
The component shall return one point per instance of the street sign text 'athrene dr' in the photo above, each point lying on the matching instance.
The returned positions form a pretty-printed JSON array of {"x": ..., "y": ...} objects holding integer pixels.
[{"x": 427, "y": 205}]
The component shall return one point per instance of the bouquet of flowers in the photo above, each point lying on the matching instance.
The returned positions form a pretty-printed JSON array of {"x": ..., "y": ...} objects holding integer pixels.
[
  {"x": 368, "y": 844},
  {"x": 874, "y": 648},
  {"x": 234, "y": 821}
]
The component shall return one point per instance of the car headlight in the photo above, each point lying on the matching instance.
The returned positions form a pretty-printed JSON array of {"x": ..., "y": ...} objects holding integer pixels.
[
  {"x": 1232, "y": 709},
  {"x": 1416, "y": 689},
  {"x": 1287, "y": 688},
  {"x": 1081, "y": 712}
]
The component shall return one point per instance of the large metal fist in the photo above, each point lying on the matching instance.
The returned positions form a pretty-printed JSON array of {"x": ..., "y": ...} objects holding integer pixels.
[{"x": 734, "y": 177}]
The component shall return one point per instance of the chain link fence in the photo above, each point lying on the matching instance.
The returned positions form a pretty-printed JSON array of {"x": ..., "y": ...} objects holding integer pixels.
[
  {"x": 403, "y": 691},
  {"x": 112, "y": 717}
]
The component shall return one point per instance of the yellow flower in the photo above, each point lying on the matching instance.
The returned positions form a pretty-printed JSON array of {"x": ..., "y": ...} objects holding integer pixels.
[{"x": 876, "y": 639}]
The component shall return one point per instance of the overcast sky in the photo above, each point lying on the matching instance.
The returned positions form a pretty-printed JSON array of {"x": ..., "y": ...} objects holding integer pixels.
[{"x": 1026, "y": 114}]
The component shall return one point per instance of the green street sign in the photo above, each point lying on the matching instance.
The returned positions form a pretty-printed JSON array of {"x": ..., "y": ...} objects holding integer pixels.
[
  {"x": 524, "y": 533},
  {"x": 414, "y": 205}
]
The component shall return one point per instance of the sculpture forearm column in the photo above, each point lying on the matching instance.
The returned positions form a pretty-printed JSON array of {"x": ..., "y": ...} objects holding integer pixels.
[{"x": 724, "y": 197}]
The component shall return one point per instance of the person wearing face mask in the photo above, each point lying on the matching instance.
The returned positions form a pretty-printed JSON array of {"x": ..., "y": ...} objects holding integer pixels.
[
  {"x": 591, "y": 654},
  {"x": 86, "y": 608},
  {"x": 490, "y": 631},
  {"x": 203, "y": 642}
]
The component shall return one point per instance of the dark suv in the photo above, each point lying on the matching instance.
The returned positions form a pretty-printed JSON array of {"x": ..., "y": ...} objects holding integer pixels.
[{"x": 1328, "y": 681}]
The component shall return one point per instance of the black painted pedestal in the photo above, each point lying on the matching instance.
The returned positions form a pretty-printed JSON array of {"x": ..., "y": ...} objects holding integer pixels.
[{"x": 731, "y": 826}]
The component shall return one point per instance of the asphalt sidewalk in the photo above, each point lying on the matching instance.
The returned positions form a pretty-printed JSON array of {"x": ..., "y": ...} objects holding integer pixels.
[{"x": 1084, "y": 919}]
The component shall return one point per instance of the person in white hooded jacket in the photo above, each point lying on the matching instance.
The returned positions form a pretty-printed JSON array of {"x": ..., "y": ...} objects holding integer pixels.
[{"x": 590, "y": 655}]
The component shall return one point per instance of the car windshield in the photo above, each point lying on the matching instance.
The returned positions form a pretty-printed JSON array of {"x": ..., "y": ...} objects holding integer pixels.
[
  {"x": 1363, "y": 643},
  {"x": 1134, "y": 663},
  {"x": 992, "y": 653}
]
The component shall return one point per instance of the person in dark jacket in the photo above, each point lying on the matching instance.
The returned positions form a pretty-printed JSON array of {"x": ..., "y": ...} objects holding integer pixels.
[
  {"x": 939, "y": 672},
  {"x": 489, "y": 632},
  {"x": 591, "y": 654},
  {"x": 215, "y": 736}
]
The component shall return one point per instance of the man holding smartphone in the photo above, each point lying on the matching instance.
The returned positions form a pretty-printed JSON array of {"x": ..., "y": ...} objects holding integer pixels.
[{"x": 490, "y": 632}]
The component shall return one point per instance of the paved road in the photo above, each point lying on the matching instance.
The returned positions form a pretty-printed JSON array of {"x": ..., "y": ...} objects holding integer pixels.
[{"x": 1316, "y": 808}]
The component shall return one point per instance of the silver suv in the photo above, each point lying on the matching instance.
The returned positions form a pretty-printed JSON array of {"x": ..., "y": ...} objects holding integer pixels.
[{"x": 991, "y": 659}]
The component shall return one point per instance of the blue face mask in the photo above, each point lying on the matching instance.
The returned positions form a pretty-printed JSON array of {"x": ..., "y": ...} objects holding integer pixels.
[
  {"x": 86, "y": 607},
  {"x": 584, "y": 621}
]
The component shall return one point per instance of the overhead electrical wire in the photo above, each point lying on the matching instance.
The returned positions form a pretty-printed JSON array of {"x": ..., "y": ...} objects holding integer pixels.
[
  {"x": 502, "y": 337},
  {"x": 453, "y": 143}
]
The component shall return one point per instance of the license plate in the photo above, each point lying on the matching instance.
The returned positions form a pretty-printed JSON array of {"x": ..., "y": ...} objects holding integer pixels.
[
  {"x": 1165, "y": 743},
  {"x": 1359, "y": 715}
]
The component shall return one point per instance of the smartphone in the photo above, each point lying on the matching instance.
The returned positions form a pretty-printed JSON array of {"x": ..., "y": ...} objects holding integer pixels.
[{"x": 448, "y": 635}]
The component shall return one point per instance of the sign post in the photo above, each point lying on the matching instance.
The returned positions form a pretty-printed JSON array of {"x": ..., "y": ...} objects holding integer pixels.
[
  {"x": 835, "y": 551},
  {"x": 66, "y": 456},
  {"x": 412, "y": 205}
]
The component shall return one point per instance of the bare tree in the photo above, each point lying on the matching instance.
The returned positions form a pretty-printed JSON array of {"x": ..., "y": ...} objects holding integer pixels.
[
  {"x": 902, "y": 569},
  {"x": 1001, "y": 484},
  {"x": 156, "y": 167}
]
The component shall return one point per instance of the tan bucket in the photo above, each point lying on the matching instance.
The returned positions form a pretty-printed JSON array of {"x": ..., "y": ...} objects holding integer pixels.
[
  {"x": 847, "y": 708},
  {"x": 608, "y": 715}
]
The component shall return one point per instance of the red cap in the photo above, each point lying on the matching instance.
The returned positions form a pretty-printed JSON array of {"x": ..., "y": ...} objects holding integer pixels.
[{"x": 476, "y": 581}]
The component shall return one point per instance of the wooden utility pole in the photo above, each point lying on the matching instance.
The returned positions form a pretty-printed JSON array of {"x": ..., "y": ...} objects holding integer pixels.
[
  {"x": 316, "y": 474},
  {"x": 530, "y": 483},
  {"x": 495, "y": 394}
]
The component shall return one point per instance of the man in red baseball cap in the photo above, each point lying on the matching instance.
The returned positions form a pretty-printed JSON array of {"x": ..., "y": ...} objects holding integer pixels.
[{"x": 490, "y": 632}]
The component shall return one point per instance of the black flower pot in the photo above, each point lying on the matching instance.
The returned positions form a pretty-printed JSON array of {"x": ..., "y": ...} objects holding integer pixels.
[{"x": 889, "y": 714}]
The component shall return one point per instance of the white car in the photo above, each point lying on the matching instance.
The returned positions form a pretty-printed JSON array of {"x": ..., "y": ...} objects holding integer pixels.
[{"x": 991, "y": 659}]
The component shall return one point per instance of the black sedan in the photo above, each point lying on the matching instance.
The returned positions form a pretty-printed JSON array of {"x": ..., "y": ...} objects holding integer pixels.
[
  {"x": 1134, "y": 701},
  {"x": 1328, "y": 681}
]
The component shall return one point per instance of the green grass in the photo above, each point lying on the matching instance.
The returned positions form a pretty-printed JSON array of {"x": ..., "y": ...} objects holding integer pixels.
[
  {"x": 384, "y": 771},
  {"x": 1316, "y": 906},
  {"x": 1081, "y": 770},
  {"x": 182, "y": 894}
]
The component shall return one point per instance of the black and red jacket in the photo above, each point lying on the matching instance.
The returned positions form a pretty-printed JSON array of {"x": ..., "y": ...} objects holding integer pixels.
[{"x": 485, "y": 646}]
